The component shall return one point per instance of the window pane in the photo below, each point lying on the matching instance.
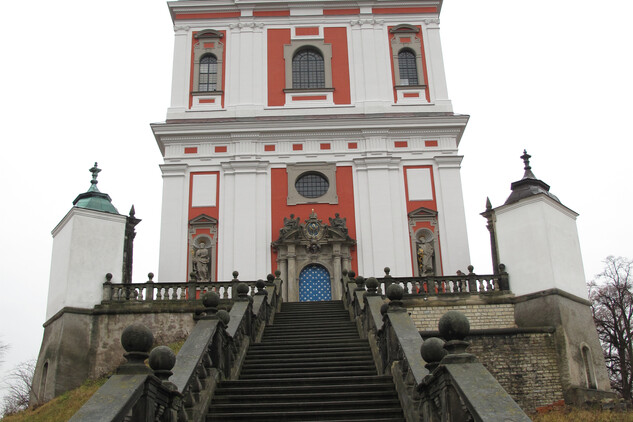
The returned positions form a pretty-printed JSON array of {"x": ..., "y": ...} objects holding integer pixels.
[
  {"x": 308, "y": 69},
  {"x": 408, "y": 68},
  {"x": 208, "y": 73}
]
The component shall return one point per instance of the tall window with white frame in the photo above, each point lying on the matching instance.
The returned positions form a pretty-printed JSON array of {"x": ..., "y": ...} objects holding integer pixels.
[
  {"x": 408, "y": 67},
  {"x": 208, "y": 77},
  {"x": 308, "y": 70}
]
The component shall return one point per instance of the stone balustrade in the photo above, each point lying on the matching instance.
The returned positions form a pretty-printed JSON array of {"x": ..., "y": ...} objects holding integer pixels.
[
  {"x": 181, "y": 388},
  {"x": 470, "y": 283},
  {"x": 151, "y": 291},
  {"x": 435, "y": 379}
]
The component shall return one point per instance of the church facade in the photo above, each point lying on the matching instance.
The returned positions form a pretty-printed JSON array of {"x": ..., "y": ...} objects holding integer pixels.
[
  {"x": 316, "y": 138},
  {"x": 313, "y": 115}
]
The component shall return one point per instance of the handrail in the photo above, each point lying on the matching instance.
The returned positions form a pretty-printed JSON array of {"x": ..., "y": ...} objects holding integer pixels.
[
  {"x": 213, "y": 351},
  {"x": 454, "y": 379},
  {"x": 136, "y": 392},
  {"x": 151, "y": 291}
]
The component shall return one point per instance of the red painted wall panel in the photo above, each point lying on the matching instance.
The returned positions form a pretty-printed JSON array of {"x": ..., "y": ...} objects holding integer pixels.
[
  {"x": 276, "y": 66},
  {"x": 340, "y": 64}
]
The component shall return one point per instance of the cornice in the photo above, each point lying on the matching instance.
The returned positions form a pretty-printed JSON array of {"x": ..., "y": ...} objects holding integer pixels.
[{"x": 279, "y": 127}]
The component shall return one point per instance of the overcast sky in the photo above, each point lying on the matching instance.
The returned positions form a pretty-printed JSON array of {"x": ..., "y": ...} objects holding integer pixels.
[{"x": 83, "y": 80}]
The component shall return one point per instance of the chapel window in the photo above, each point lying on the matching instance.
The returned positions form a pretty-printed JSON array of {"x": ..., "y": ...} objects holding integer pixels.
[
  {"x": 208, "y": 78},
  {"x": 308, "y": 69},
  {"x": 408, "y": 67}
]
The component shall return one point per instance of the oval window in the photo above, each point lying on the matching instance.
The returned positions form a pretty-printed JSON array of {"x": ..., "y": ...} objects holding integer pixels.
[{"x": 312, "y": 185}]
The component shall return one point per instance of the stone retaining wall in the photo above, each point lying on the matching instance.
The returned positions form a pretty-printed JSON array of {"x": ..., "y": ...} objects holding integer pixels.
[{"x": 481, "y": 317}]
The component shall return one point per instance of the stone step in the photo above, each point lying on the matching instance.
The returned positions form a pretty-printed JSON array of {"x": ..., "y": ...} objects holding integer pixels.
[
  {"x": 325, "y": 373},
  {"x": 312, "y": 382},
  {"x": 272, "y": 360},
  {"x": 305, "y": 406},
  {"x": 367, "y": 414},
  {"x": 237, "y": 396}
]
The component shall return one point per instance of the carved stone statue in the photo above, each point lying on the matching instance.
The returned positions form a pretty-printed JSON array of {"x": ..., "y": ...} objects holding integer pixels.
[
  {"x": 339, "y": 223},
  {"x": 289, "y": 224},
  {"x": 201, "y": 263},
  {"x": 425, "y": 257}
]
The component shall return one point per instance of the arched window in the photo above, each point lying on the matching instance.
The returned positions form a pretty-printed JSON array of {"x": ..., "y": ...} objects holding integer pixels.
[
  {"x": 208, "y": 80},
  {"x": 308, "y": 70},
  {"x": 588, "y": 364},
  {"x": 408, "y": 67}
]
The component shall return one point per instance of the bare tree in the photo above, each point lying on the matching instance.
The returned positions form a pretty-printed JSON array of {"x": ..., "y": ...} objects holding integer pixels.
[
  {"x": 611, "y": 294},
  {"x": 19, "y": 385},
  {"x": 3, "y": 349}
]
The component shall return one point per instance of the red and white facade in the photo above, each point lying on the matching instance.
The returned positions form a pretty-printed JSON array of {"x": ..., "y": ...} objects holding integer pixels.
[{"x": 387, "y": 147}]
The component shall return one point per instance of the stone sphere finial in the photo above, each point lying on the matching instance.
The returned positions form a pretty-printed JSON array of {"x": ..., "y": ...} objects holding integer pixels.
[
  {"x": 387, "y": 270},
  {"x": 137, "y": 338},
  {"x": 235, "y": 274},
  {"x": 372, "y": 285},
  {"x": 454, "y": 326},
  {"x": 211, "y": 300},
  {"x": 470, "y": 269},
  {"x": 395, "y": 292},
  {"x": 242, "y": 289},
  {"x": 432, "y": 351},
  {"x": 261, "y": 287},
  {"x": 277, "y": 273},
  {"x": 192, "y": 276},
  {"x": 223, "y": 316},
  {"x": 344, "y": 272},
  {"x": 150, "y": 277},
  {"x": 162, "y": 360},
  {"x": 502, "y": 267},
  {"x": 108, "y": 278},
  {"x": 384, "y": 308},
  {"x": 270, "y": 278}
]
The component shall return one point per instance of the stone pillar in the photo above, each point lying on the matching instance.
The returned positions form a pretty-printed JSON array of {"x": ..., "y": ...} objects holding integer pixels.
[
  {"x": 180, "y": 72},
  {"x": 336, "y": 277},
  {"x": 293, "y": 283},
  {"x": 380, "y": 192},
  {"x": 451, "y": 215},
  {"x": 282, "y": 265},
  {"x": 173, "y": 227},
  {"x": 244, "y": 221}
]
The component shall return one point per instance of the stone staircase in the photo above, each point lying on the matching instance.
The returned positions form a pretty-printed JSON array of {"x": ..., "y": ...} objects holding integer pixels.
[{"x": 311, "y": 365}]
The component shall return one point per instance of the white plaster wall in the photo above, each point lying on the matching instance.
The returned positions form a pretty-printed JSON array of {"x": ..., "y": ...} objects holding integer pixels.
[
  {"x": 381, "y": 217},
  {"x": 244, "y": 240},
  {"x": 369, "y": 60},
  {"x": 90, "y": 245},
  {"x": 538, "y": 242},
  {"x": 172, "y": 264},
  {"x": 451, "y": 215}
]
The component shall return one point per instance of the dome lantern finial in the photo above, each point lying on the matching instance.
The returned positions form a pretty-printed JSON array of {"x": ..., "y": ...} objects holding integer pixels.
[
  {"x": 95, "y": 172},
  {"x": 526, "y": 166}
]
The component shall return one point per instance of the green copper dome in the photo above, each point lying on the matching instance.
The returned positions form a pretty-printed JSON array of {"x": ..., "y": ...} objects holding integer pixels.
[{"x": 93, "y": 199}]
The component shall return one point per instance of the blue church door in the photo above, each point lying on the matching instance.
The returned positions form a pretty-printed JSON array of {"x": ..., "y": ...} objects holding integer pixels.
[{"x": 314, "y": 284}]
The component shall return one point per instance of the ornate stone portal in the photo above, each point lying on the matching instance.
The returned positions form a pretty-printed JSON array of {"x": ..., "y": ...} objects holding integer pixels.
[{"x": 312, "y": 242}]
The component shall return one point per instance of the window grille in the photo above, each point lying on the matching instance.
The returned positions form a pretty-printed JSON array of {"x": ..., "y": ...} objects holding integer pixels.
[
  {"x": 308, "y": 70},
  {"x": 312, "y": 185},
  {"x": 208, "y": 80},
  {"x": 408, "y": 68}
]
